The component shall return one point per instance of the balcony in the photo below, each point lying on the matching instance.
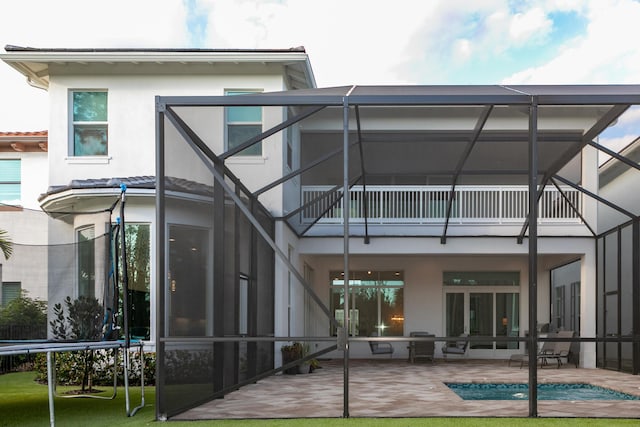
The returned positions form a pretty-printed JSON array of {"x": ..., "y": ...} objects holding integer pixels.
[{"x": 412, "y": 205}]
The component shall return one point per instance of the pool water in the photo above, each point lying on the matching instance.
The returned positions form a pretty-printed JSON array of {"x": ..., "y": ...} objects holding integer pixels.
[{"x": 549, "y": 391}]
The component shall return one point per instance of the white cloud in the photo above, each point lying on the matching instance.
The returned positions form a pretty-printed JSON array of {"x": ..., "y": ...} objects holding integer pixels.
[
  {"x": 606, "y": 53},
  {"x": 348, "y": 42},
  {"x": 533, "y": 24}
]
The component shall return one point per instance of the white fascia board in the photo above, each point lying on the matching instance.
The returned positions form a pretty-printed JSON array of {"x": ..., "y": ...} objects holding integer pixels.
[
  {"x": 25, "y": 62},
  {"x": 151, "y": 56}
]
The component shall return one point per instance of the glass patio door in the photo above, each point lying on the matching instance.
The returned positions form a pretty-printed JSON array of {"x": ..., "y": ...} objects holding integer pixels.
[
  {"x": 481, "y": 318},
  {"x": 485, "y": 313}
]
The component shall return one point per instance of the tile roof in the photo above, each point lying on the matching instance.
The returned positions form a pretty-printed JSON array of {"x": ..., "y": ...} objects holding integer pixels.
[
  {"x": 43, "y": 133},
  {"x": 144, "y": 182}
]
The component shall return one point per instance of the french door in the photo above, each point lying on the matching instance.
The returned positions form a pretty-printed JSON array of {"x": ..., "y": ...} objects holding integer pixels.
[{"x": 486, "y": 313}]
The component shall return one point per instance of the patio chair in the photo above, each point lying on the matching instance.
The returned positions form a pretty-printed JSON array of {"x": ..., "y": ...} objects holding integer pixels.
[
  {"x": 456, "y": 348},
  {"x": 547, "y": 348},
  {"x": 521, "y": 358},
  {"x": 421, "y": 349},
  {"x": 556, "y": 350},
  {"x": 380, "y": 347}
]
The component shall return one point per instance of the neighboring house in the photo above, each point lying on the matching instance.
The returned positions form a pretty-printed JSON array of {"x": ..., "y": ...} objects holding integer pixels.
[
  {"x": 23, "y": 176},
  {"x": 436, "y": 243}
]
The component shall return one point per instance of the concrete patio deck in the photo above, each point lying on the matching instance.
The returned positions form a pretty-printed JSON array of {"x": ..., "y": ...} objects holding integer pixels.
[{"x": 396, "y": 388}]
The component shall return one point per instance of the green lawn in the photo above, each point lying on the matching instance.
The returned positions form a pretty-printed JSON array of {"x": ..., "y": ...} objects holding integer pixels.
[{"x": 25, "y": 403}]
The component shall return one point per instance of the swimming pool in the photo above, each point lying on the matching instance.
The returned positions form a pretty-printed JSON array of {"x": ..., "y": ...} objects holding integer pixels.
[{"x": 549, "y": 391}]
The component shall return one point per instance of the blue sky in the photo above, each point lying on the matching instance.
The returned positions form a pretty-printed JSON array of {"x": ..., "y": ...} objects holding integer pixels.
[{"x": 348, "y": 41}]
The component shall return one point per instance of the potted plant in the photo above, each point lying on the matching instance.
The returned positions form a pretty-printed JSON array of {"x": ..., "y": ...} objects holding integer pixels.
[
  {"x": 291, "y": 353},
  {"x": 297, "y": 351}
]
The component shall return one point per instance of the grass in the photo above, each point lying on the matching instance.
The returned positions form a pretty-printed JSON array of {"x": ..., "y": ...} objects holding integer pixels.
[{"x": 23, "y": 402}]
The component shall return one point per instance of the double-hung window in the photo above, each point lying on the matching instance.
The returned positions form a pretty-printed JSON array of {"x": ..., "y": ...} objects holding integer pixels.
[
  {"x": 242, "y": 124},
  {"x": 89, "y": 127},
  {"x": 10, "y": 181}
]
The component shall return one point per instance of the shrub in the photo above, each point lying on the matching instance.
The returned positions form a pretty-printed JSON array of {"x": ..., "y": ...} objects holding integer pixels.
[
  {"x": 70, "y": 368},
  {"x": 23, "y": 318}
]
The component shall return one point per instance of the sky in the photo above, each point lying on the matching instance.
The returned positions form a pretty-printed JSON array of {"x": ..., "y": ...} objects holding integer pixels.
[{"x": 348, "y": 41}]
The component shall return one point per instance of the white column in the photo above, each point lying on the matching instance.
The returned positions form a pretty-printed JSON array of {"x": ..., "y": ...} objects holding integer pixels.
[{"x": 588, "y": 308}]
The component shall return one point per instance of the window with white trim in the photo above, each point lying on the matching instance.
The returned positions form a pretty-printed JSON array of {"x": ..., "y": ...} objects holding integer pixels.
[
  {"x": 242, "y": 124},
  {"x": 10, "y": 291},
  {"x": 10, "y": 181},
  {"x": 89, "y": 126}
]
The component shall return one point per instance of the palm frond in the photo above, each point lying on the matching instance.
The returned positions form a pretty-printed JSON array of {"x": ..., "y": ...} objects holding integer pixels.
[{"x": 6, "y": 246}]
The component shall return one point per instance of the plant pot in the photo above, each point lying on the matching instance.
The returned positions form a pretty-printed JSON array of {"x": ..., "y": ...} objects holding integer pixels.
[{"x": 304, "y": 368}]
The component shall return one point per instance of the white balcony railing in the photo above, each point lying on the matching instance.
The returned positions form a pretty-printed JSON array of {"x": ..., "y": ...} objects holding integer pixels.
[{"x": 411, "y": 204}]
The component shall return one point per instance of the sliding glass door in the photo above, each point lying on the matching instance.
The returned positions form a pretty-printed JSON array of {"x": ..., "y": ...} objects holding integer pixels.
[
  {"x": 484, "y": 314},
  {"x": 481, "y": 305}
]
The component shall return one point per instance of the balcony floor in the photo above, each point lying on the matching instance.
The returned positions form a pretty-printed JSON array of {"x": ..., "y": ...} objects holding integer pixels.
[{"x": 396, "y": 388}]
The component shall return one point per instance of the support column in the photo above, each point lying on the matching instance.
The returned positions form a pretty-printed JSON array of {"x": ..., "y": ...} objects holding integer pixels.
[
  {"x": 635, "y": 286},
  {"x": 345, "y": 215},
  {"x": 533, "y": 257},
  {"x": 588, "y": 307}
]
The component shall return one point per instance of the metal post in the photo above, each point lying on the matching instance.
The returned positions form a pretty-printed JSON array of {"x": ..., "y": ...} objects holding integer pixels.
[
  {"x": 635, "y": 286},
  {"x": 50, "y": 369},
  {"x": 345, "y": 214},
  {"x": 161, "y": 273},
  {"x": 125, "y": 298},
  {"x": 533, "y": 258}
]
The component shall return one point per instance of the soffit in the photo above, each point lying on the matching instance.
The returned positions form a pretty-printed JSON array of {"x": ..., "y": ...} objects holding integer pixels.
[
  {"x": 37, "y": 64},
  {"x": 24, "y": 141}
]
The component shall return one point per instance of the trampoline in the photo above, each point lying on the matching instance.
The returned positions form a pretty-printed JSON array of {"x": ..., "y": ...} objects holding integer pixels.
[{"x": 115, "y": 333}]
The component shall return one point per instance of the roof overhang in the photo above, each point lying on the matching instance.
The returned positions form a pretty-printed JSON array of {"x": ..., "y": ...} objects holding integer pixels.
[
  {"x": 23, "y": 142},
  {"x": 34, "y": 63}
]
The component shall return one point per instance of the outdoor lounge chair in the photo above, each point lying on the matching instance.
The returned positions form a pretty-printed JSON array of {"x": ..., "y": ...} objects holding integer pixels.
[
  {"x": 458, "y": 348},
  {"x": 421, "y": 349},
  {"x": 521, "y": 358},
  {"x": 556, "y": 350},
  {"x": 378, "y": 347}
]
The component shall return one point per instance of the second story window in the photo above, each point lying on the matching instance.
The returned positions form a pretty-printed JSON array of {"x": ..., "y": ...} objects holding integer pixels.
[
  {"x": 10, "y": 181},
  {"x": 89, "y": 128},
  {"x": 243, "y": 123}
]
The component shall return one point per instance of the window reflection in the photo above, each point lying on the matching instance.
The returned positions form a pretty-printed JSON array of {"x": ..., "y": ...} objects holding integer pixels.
[{"x": 376, "y": 302}]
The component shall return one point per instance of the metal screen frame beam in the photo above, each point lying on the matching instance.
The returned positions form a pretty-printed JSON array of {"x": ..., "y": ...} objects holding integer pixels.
[
  {"x": 254, "y": 140},
  {"x": 604, "y": 122},
  {"x": 365, "y": 199},
  {"x": 205, "y": 153},
  {"x": 595, "y": 196},
  {"x": 573, "y": 207},
  {"x": 298, "y": 171},
  {"x": 615, "y": 155},
  {"x": 482, "y": 120}
]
